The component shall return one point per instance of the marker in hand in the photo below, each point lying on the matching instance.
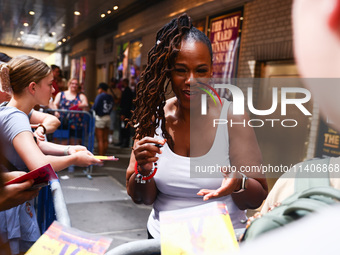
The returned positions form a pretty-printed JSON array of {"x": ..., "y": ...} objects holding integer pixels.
[
  {"x": 106, "y": 157},
  {"x": 160, "y": 145}
]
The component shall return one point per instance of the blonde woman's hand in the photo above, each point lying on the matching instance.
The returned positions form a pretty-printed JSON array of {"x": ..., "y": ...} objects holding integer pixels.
[
  {"x": 75, "y": 148},
  {"x": 39, "y": 132},
  {"x": 85, "y": 158}
]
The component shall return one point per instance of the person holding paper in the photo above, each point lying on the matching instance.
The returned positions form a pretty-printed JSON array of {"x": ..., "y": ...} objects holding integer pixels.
[
  {"x": 13, "y": 195},
  {"x": 29, "y": 80},
  {"x": 181, "y": 57}
]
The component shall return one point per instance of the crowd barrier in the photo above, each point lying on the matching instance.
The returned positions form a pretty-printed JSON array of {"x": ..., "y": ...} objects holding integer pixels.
[
  {"x": 76, "y": 127},
  {"x": 75, "y": 124},
  {"x": 140, "y": 247},
  {"x": 50, "y": 206}
]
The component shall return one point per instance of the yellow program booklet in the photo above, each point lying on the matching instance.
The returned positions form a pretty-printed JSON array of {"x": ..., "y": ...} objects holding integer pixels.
[
  {"x": 59, "y": 239},
  {"x": 203, "y": 229}
]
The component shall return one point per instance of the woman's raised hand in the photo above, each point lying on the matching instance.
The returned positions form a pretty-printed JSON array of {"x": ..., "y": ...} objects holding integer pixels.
[{"x": 145, "y": 151}]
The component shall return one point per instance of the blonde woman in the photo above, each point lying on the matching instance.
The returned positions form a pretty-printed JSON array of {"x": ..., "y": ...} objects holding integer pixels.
[{"x": 29, "y": 80}]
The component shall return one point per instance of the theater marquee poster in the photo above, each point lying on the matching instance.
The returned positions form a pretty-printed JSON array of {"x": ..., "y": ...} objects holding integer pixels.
[
  {"x": 224, "y": 35},
  {"x": 328, "y": 144}
]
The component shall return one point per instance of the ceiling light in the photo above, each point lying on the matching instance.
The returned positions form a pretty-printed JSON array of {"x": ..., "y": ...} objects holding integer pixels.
[
  {"x": 19, "y": 39},
  {"x": 26, "y": 24},
  {"x": 102, "y": 15},
  {"x": 59, "y": 42},
  {"x": 77, "y": 13},
  {"x": 31, "y": 13},
  {"x": 115, "y": 8},
  {"x": 21, "y": 32},
  {"x": 108, "y": 11},
  {"x": 64, "y": 39},
  {"x": 53, "y": 33},
  {"x": 63, "y": 25},
  {"x": 241, "y": 18}
]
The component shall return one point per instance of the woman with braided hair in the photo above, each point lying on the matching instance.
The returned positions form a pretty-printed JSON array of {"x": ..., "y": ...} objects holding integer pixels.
[{"x": 182, "y": 54}]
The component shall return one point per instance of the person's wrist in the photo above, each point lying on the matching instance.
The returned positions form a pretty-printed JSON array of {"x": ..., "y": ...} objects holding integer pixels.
[
  {"x": 242, "y": 181},
  {"x": 144, "y": 170},
  {"x": 43, "y": 127},
  {"x": 67, "y": 151},
  {"x": 141, "y": 178}
]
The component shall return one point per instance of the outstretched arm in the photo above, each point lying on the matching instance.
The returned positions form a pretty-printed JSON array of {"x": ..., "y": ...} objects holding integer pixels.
[
  {"x": 34, "y": 158},
  {"x": 49, "y": 148}
]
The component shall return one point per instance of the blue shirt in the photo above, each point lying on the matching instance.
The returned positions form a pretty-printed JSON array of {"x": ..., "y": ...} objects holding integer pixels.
[{"x": 103, "y": 104}]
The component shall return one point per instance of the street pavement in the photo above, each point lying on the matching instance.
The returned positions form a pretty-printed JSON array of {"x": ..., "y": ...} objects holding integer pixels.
[{"x": 97, "y": 201}]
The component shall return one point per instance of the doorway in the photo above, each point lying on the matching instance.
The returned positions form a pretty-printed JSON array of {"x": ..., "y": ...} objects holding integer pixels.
[{"x": 281, "y": 145}]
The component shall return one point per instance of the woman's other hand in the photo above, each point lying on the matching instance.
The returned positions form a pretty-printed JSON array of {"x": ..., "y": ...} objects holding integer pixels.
[{"x": 228, "y": 186}]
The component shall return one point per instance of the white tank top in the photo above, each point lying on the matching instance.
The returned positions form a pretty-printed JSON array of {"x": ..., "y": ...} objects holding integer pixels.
[{"x": 177, "y": 190}]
